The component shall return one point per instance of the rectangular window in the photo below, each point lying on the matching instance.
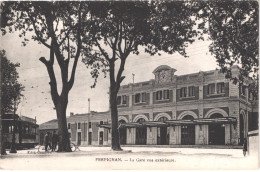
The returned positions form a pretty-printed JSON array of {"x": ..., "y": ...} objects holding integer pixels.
[
  {"x": 243, "y": 90},
  {"x": 101, "y": 122},
  {"x": 137, "y": 98},
  {"x": 191, "y": 91},
  {"x": 78, "y": 125},
  {"x": 143, "y": 97},
  {"x": 183, "y": 92},
  {"x": 118, "y": 100},
  {"x": 220, "y": 87},
  {"x": 211, "y": 89},
  {"x": 250, "y": 96},
  {"x": 159, "y": 95},
  {"x": 124, "y": 99},
  {"x": 68, "y": 125},
  {"x": 166, "y": 94},
  {"x": 89, "y": 125}
]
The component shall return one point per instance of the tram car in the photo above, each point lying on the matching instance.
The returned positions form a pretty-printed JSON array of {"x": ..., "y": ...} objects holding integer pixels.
[{"x": 26, "y": 131}]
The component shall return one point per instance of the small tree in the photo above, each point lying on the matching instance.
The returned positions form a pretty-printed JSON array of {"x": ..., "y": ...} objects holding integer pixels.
[
  {"x": 118, "y": 29},
  {"x": 56, "y": 25},
  {"x": 11, "y": 89}
]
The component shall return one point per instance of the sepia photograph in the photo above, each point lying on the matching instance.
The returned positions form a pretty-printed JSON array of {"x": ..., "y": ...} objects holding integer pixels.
[{"x": 129, "y": 85}]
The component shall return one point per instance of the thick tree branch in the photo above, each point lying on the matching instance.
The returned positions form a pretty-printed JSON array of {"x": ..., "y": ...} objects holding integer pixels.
[
  {"x": 72, "y": 78},
  {"x": 120, "y": 40},
  {"x": 53, "y": 83},
  {"x": 37, "y": 32},
  {"x": 102, "y": 51}
]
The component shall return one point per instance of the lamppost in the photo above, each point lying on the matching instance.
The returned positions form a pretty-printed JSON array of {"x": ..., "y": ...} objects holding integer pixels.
[{"x": 13, "y": 148}]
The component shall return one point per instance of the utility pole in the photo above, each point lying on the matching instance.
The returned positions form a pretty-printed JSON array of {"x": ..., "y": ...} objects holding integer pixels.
[
  {"x": 88, "y": 105},
  {"x": 133, "y": 78},
  {"x": 13, "y": 147}
]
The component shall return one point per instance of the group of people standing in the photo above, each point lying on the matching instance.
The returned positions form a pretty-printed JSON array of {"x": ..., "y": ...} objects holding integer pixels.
[{"x": 51, "y": 141}]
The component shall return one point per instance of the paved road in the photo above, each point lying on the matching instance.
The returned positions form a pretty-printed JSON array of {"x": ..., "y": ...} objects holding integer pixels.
[{"x": 130, "y": 158}]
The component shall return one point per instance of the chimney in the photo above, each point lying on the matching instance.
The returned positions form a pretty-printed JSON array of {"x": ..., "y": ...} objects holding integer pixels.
[
  {"x": 88, "y": 105},
  {"x": 71, "y": 113}
]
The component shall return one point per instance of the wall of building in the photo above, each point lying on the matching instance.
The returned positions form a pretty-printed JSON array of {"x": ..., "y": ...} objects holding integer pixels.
[{"x": 228, "y": 102}]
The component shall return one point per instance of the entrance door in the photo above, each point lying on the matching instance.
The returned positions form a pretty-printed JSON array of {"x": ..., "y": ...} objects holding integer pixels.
[
  {"x": 188, "y": 132},
  {"x": 242, "y": 129},
  {"x": 162, "y": 133},
  {"x": 90, "y": 138},
  {"x": 141, "y": 134},
  {"x": 79, "y": 138},
  {"x": 162, "y": 136},
  {"x": 122, "y": 133},
  {"x": 188, "y": 135},
  {"x": 216, "y": 132},
  {"x": 101, "y": 138}
]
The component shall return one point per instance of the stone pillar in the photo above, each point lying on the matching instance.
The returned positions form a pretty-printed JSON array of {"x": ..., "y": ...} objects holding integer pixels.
[
  {"x": 151, "y": 98},
  {"x": 109, "y": 137},
  {"x": 201, "y": 92},
  {"x": 227, "y": 134},
  {"x": 151, "y": 135},
  {"x": 175, "y": 135},
  {"x": 197, "y": 135},
  {"x": 172, "y": 135},
  {"x": 200, "y": 108},
  {"x": 130, "y": 100},
  {"x": 174, "y": 113},
  {"x": 201, "y": 134},
  {"x": 178, "y": 134},
  {"x": 130, "y": 136},
  {"x": 234, "y": 112},
  {"x": 174, "y": 95}
]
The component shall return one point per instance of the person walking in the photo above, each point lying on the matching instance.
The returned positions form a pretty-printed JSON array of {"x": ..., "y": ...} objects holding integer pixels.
[
  {"x": 47, "y": 141},
  {"x": 54, "y": 141},
  {"x": 245, "y": 147}
]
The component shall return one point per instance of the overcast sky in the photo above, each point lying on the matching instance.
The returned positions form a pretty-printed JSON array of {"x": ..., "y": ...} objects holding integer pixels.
[{"x": 33, "y": 75}]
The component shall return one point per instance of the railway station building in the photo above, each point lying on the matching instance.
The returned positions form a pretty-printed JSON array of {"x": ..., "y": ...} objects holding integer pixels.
[{"x": 202, "y": 108}]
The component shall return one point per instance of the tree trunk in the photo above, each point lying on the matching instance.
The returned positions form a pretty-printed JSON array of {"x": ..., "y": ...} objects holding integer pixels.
[
  {"x": 114, "y": 118},
  {"x": 64, "y": 141}
]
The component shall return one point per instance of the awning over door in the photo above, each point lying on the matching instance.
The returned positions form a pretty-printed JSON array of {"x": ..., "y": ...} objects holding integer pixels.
[{"x": 202, "y": 121}]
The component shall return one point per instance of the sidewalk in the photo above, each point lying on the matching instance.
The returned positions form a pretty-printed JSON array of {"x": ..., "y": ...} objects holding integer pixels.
[{"x": 130, "y": 158}]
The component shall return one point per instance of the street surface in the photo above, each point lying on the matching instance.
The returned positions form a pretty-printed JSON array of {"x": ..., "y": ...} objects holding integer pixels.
[{"x": 131, "y": 158}]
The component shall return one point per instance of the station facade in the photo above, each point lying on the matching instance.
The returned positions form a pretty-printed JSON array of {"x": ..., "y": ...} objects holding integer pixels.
[{"x": 201, "y": 108}]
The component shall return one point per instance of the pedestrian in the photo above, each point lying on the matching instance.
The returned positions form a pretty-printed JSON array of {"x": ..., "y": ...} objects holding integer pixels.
[
  {"x": 47, "y": 141},
  {"x": 245, "y": 147},
  {"x": 54, "y": 140}
]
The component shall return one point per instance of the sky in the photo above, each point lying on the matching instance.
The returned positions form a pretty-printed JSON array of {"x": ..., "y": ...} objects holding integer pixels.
[{"x": 37, "y": 100}]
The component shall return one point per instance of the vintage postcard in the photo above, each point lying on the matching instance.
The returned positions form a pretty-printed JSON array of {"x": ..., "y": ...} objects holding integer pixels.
[{"x": 129, "y": 85}]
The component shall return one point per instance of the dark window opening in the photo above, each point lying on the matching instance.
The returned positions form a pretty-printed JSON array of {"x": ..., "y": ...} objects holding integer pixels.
[
  {"x": 118, "y": 100},
  {"x": 191, "y": 91},
  {"x": 220, "y": 87},
  {"x": 183, "y": 92}
]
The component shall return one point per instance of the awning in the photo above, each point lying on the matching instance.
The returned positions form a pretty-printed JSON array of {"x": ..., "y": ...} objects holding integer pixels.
[
  {"x": 226, "y": 120},
  {"x": 205, "y": 121}
]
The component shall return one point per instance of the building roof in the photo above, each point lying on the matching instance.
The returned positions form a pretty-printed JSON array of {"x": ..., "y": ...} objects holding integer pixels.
[{"x": 52, "y": 124}]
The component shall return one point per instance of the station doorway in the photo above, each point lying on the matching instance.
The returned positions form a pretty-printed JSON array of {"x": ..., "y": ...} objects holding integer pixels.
[
  {"x": 188, "y": 132},
  {"x": 122, "y": 133},
  {"x": 216, "y": 132},
  {"x": 162, "y": 133},
  {"x": 141, "y": 134}
]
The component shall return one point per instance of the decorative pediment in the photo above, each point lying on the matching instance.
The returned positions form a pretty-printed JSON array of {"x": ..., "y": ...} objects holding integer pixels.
[{"x": 164, "y": 74}]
